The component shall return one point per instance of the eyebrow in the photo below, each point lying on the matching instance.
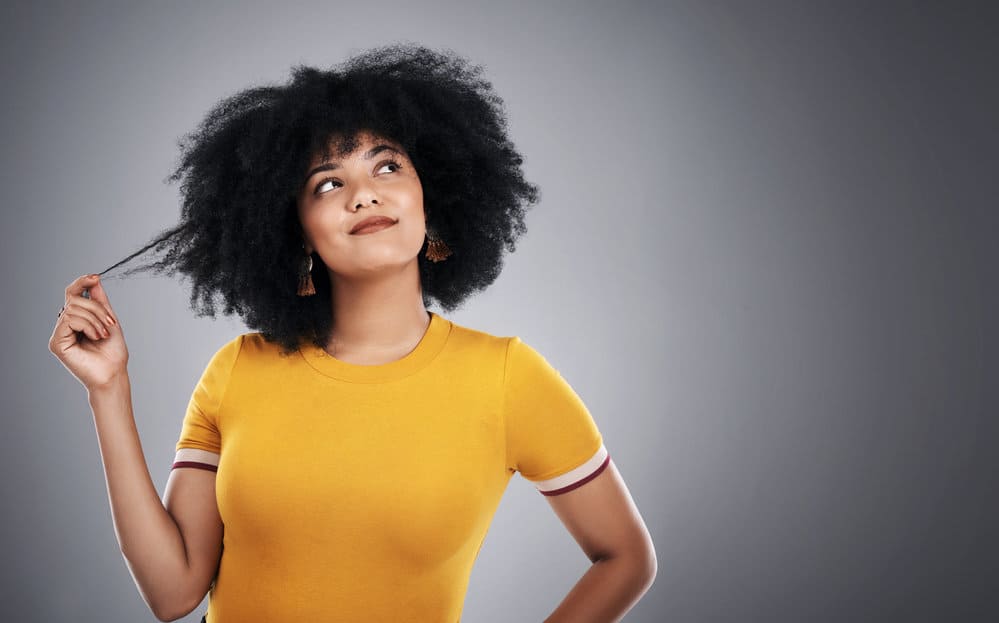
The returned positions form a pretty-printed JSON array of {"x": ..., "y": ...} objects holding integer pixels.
[{"x": 371, "y": 153}]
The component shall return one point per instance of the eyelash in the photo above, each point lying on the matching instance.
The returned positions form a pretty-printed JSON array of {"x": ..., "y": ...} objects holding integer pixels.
[{"x": 330, "y": 179}]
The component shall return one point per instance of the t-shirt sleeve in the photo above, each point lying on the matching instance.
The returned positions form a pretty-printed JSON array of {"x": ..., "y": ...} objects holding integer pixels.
[
  {"x": 552, "y": 439},
  {"x": 200, "y": 441}
]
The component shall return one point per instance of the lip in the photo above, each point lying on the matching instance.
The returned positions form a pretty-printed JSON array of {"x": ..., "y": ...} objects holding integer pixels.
[{"x": 373, "y": 220}]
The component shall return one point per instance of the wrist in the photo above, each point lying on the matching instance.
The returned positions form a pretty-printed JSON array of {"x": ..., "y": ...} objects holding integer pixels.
[{"x": 116, "y": 385}]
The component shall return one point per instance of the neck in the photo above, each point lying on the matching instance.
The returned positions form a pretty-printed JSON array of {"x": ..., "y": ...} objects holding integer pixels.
[{"x": 378, "y": 313}]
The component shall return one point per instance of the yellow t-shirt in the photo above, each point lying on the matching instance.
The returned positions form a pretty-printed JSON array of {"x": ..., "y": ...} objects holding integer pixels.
[{"x": 364, "y": 493}]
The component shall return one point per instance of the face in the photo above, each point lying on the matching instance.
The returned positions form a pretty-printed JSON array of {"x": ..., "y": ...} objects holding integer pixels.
[{"x": 376, "y": 179}]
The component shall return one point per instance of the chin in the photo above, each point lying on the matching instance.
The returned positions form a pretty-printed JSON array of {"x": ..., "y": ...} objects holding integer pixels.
[{"x": 379, "y": 260}]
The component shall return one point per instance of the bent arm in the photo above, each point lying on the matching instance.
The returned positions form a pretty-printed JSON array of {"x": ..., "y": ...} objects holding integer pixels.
[
  {"x": 607, "y": 591},
  {"x": 150, "y": 540},
  {"x": 603, "y": 518}
]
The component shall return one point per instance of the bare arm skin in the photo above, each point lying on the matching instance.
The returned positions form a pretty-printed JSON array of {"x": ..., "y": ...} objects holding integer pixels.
[
  {"x": 172, "y": 548},
  {"x": 172, "y": 554},
  {"x": 604, "y": 521}
]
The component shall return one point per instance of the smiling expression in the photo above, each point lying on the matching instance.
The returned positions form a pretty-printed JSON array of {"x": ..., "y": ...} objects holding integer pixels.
[{"x": 376, "y": 179}]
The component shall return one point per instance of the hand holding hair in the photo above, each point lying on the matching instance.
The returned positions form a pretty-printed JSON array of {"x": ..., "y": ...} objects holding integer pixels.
[{"x": 87, "y": 337}]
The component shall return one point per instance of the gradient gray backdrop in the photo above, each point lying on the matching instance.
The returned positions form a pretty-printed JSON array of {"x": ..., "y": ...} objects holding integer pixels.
[{"x": 764, "y": 257}]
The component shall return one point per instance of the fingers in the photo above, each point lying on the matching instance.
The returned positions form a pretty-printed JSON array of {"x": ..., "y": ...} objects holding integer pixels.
[
  {"x": 98, "y": 293},
  {"x": 80, "y": 284},
  {"x": 96, "y": 299},
  {"x": 90, "y": 309},
  {"x": 98, "y": 310},
  {"x": 84, "y": 322}
]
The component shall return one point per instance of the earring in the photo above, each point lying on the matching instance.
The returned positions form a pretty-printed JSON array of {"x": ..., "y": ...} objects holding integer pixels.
[
  {"x": 437, "y": 250},
  {"x": 305, "y": 285}
]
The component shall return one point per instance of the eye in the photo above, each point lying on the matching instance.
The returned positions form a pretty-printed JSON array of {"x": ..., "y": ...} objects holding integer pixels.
[
  {"x": 390, "y": 163},
  {"x": 323, "y": 182},
  {"x": 330, "y": 180}
]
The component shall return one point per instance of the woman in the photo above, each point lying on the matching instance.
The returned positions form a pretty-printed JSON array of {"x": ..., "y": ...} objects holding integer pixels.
[{"x": 343, "y": 461}]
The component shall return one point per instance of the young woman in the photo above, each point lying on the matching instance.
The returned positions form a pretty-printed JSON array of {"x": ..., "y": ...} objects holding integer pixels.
[{"x": 343, "y": 461}]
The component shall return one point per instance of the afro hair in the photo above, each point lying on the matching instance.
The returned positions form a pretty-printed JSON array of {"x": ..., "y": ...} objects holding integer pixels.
[{"x": 241, "y": 170}]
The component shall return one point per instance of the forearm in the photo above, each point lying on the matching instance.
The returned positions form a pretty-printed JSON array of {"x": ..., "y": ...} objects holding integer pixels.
[
  {"x": 606, "y": 592},
  {"x": 149, "y": 538}
]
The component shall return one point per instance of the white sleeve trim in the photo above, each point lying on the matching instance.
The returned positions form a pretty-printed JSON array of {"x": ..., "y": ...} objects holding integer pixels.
[
  {"x": 574, "y": 476},
  {"x": 193, "y": 457}
]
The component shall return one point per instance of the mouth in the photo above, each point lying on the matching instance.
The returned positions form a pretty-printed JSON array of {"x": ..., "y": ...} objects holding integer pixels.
[{"x": 372, "y": 224}]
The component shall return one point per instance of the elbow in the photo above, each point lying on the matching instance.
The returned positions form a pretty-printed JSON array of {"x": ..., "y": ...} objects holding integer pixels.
[
  {"x": 653, "y": 568},
  {"x": 172, "y": 611},
  {"x": 164, "y": 614},
  {"x": 644, "y": 568},
  {"x": 641, "y": 564},
  {"x": 650, "y": 566},
  {"x": 639, "y": 557},
  {"x": 167, "y": 593}
]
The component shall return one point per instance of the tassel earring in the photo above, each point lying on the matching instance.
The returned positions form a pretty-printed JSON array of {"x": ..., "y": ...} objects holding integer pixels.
[
  {"x": 305, "y": 285},
  {"x": 437, "y": 250}
]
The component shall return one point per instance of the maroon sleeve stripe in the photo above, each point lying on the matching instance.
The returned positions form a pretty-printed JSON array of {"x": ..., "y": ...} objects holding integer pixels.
[{"x": 207, "y": 466}]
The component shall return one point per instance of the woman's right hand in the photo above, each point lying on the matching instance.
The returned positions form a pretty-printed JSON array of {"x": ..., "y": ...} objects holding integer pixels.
[{"x": 91, "y": 346}]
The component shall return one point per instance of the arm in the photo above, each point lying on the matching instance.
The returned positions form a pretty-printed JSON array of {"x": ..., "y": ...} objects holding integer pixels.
[
  {"x": 150, "y": 539},
  {"x": 603, "y": 519},
  {"x": 166, "y": 552}
]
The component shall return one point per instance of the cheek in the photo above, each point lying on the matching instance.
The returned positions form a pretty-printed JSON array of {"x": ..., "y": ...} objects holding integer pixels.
[
  {"x": 410, "y": 194},
  {"x": 323, "y": 221},
  {"x": 310, "y": 218}
]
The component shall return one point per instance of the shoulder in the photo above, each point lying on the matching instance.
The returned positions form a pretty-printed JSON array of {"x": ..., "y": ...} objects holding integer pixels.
[
  {"x": 254, "y": 344},
  {"x": 468, "y": 338},
  {"x": 246, "y": 347},
  {"x": 254, "y": 340}
]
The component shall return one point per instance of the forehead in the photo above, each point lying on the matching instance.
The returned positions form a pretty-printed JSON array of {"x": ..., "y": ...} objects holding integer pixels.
[{"x": 340, "y": 146}]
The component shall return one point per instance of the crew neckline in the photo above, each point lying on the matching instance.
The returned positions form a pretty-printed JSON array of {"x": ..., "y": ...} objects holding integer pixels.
[{"x": 426, "y": 349}]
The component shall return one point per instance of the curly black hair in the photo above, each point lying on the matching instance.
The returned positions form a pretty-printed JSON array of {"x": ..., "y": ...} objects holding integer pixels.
[{"x": 241, "y": 170}]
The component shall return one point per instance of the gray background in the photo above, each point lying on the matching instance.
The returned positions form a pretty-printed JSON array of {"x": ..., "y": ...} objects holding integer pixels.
[{"x": 764, "y": 257}]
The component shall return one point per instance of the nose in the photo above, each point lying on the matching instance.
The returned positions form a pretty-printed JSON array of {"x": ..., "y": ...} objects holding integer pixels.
[{"x": 363, "y": 193}]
